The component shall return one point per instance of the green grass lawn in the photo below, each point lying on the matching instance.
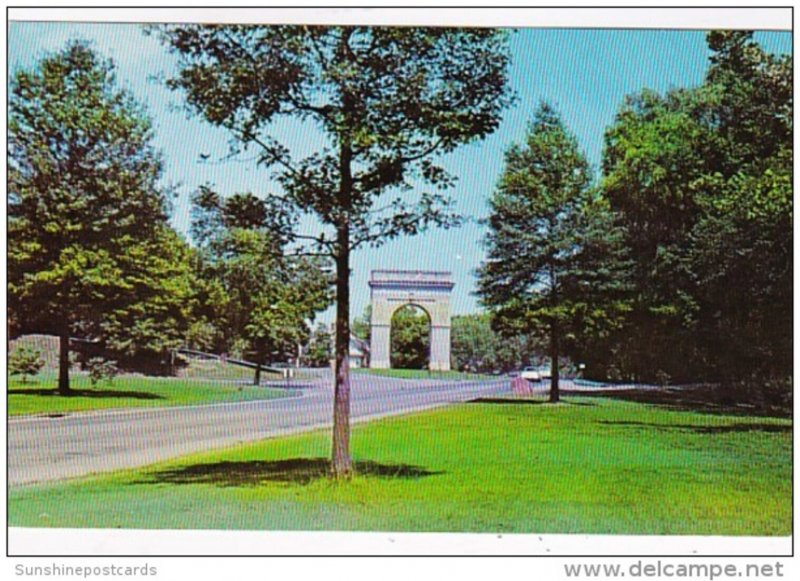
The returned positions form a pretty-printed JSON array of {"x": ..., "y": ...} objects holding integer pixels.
[
  {"x": 420, "y": 374},
  {"x": 589, "y": 465},
  {"x": 39, "y": 396}
]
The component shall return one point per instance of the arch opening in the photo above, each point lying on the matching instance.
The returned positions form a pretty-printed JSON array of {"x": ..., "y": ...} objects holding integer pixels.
[{"x": 410, "y": 338}]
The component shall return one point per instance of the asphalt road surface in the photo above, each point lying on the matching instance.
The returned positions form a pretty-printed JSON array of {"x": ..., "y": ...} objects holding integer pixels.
[{"x": 43, "y": 449}]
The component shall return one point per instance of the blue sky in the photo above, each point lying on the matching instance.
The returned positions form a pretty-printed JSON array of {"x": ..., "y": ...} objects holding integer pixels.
[{"x": 585, "y": 74}]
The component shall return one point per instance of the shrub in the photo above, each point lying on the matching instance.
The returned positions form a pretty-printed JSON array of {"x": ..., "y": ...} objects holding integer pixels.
[
  {"x": 25, "y": 361},
  {"x": 101, "y": 370}
]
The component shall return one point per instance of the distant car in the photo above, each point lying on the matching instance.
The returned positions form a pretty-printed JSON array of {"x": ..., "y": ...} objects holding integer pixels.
[{"x": 531, "y": 374}]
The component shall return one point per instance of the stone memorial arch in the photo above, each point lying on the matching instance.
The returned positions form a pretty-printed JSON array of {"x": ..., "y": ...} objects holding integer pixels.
[{"x": 391, "y": 290}]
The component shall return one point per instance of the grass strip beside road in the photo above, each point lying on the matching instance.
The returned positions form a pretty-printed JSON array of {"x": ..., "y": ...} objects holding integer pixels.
[
  {"x": 40, "y": 396},
  {"x": 585, "y": 466}
]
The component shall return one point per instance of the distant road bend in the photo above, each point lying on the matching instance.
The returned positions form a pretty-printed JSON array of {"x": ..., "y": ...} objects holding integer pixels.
[{"x": 42, "y": 449}]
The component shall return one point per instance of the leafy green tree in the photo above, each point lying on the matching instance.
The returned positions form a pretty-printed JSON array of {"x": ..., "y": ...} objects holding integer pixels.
[
  {"x": 388, "y": 102},
  {"x": 152, "y": 314},
  {"x": 410, "y": 339},
  {"x": 320, "y": 348},
  {"x": 702, "y": 180},
  {"x": 86, "y": 214},
  {"x": 100, "y": 369},
  {"x": 473, "y": 343},
  {"x": 554, "y": 262},
  {"x": 740, "y": 251},
  {"x": 264, "y": 299},
  {"x": 25, "y": 361},
  {"x": 477, "y": 347},
  {"x": 653, "y": 167}
]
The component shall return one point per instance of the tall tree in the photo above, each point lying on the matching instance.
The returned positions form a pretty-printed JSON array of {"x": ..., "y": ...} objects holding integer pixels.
[
  {"x": 387, "y": 102},
  {"x": 702, "y": 179},
  {"x": 740, "y": 251},
  {"x": 554, "y": 263},
  {"x": 267, "y": 298},
  {"x": 654, "y": 161},
  {"x": 86, "y": 211}
]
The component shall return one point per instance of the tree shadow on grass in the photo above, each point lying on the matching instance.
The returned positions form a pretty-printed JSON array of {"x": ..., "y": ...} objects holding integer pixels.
[
  {"x": 91, "y": 393},
  {"x": 291, "y": 471},
  {"x": 700, "y": 399},
  {"x": 525, "y": 401},
  {"x": 726, "y": 429}
]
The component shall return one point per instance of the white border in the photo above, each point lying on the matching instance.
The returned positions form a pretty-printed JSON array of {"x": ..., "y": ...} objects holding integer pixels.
[
  {"x": 35, "y": 541},
  {"x": 672, "y": 18}
]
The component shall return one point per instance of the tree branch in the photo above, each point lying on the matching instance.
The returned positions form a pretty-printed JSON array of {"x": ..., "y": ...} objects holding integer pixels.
[
  {"x": 277, "y": 158},
  {"x": 306, "y": 254},
  {"x": 319, "y": 240}
]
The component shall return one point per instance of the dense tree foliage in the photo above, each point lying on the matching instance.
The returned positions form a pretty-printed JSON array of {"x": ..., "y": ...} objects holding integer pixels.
[
  {"x": 410, "y": 339},
  {"x": 702, "y": 181},
  {"x": 261, "y": 299},
  {"x": 554, "y": 258},
  {"x": 90, "y": 251},
  {"x": 160, "y": 300},
  {"x": 387, "y": 99},
  {"x": 477, "y": 347}
]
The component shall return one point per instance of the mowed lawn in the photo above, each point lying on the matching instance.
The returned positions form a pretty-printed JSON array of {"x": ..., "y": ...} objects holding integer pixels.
[
  {"x": 584, "y": 466},
  {"x": 40, "y": 396}
]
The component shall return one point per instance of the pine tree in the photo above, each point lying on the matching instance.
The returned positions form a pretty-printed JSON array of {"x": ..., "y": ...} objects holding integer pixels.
[{"x": 554, "y": 264}]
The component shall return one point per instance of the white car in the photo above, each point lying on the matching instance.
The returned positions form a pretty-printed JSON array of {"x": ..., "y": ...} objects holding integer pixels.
[{"x": 531, "y": 374}]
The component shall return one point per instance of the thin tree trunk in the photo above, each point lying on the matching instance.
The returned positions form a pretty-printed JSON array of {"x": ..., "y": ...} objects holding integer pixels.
[
  {"x": 342, "y": 463},
  {"x": 257, "y": 377},
  {"x": 555, "y": 394},
  {"x": 63, "y": 363}
]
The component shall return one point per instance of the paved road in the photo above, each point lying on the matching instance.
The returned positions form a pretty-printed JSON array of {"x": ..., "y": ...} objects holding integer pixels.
[{"x": 44, "y": 449}]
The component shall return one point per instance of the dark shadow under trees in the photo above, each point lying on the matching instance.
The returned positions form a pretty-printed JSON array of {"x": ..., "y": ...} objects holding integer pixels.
[
  {"x": 291, "y": 471},
  {"x": 91, "y": 393},
  {"x": 705, "y": 399},
  {"x": 524, "y": 401},
  {"x": 708, "y": 399},
  {"x": 725, "y": 429}
]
